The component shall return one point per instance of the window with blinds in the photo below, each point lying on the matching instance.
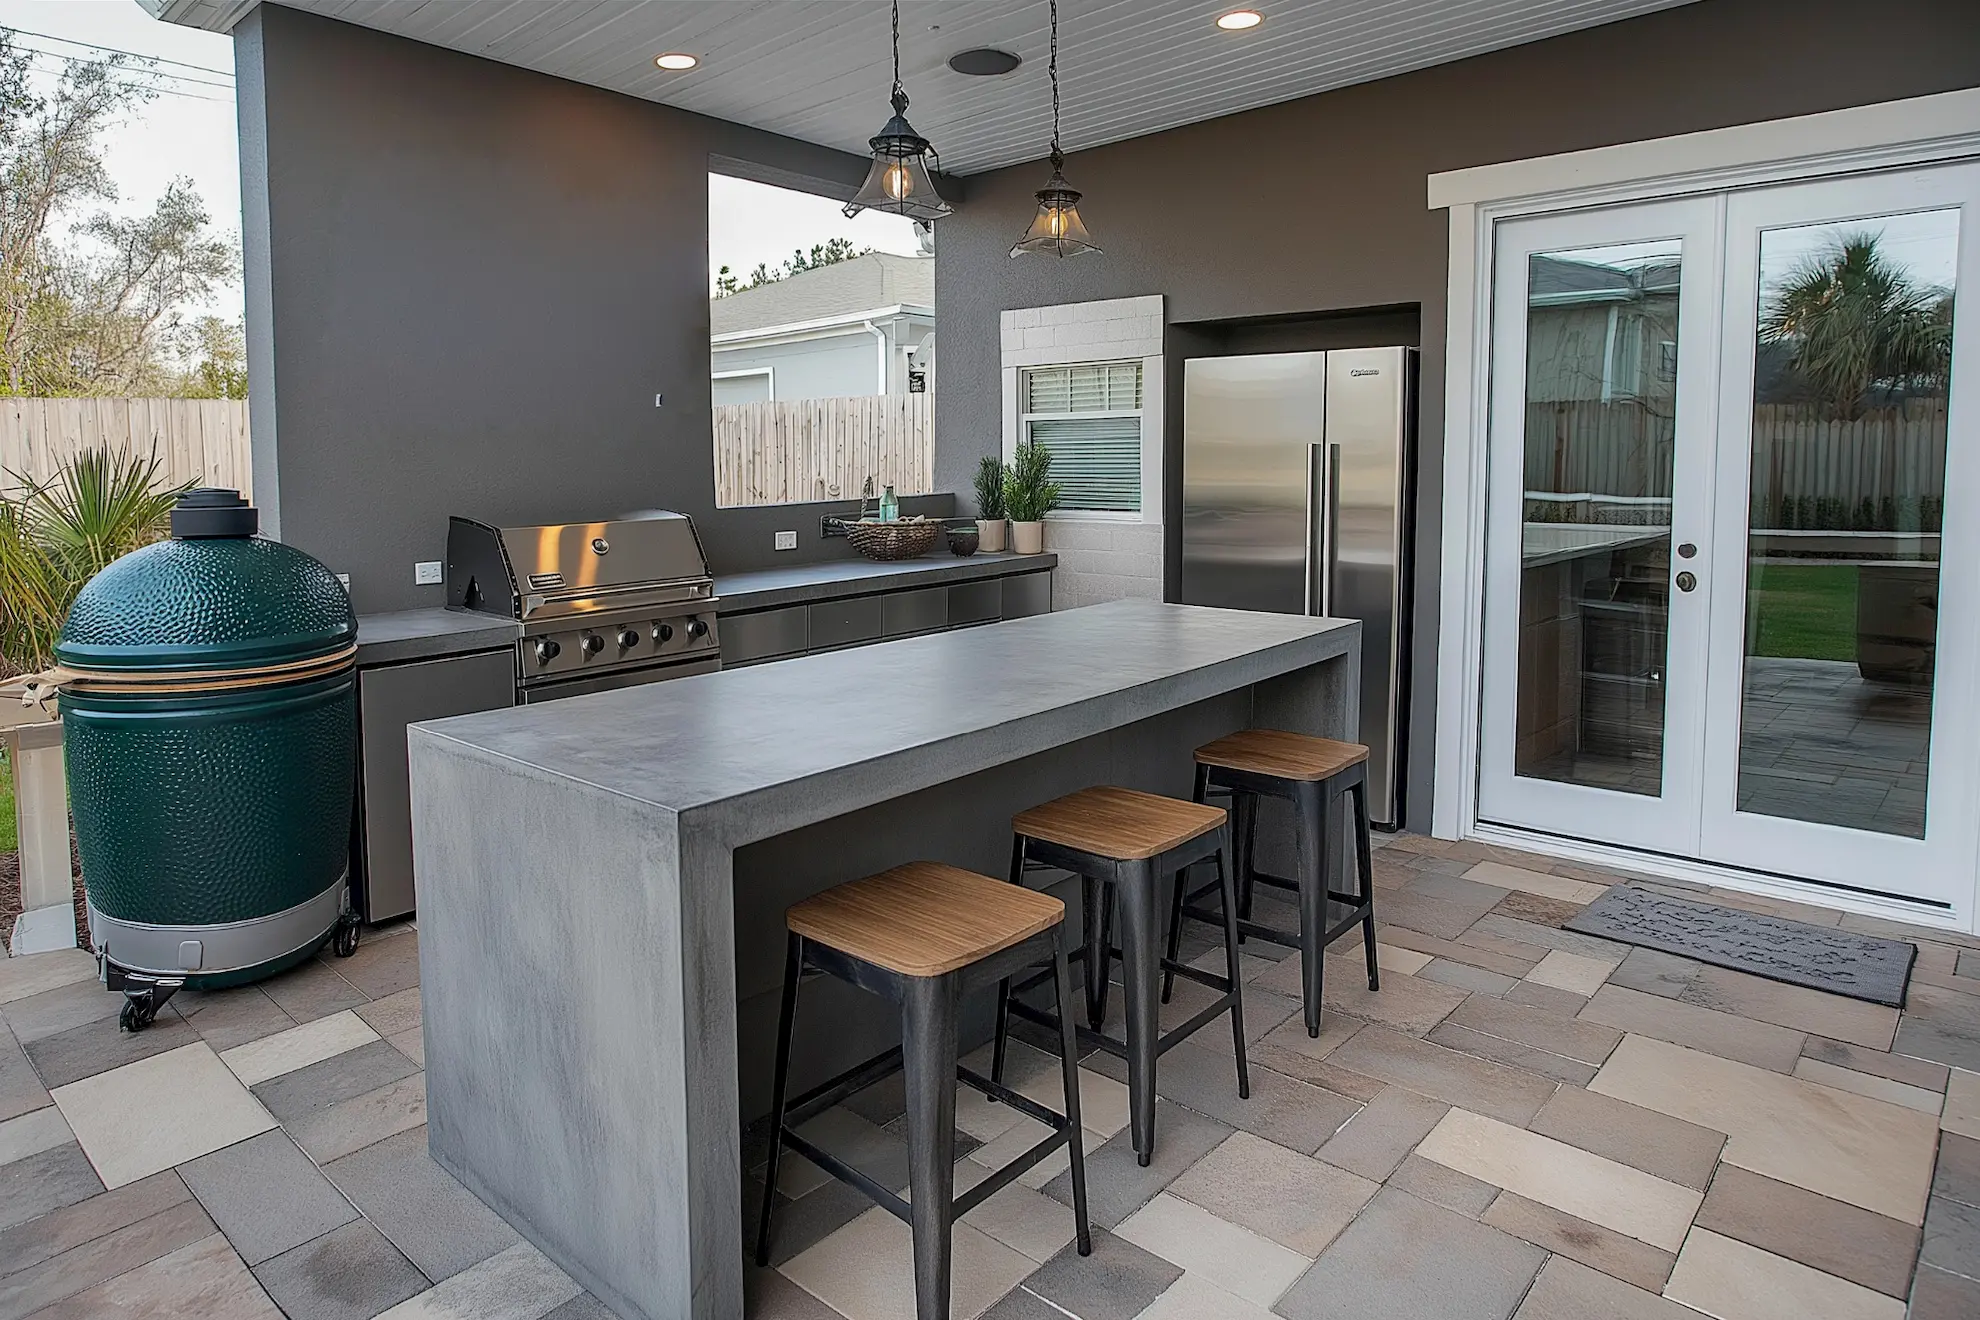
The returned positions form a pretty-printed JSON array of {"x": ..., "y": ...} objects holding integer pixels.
[{"x": 1089, "y": 417}]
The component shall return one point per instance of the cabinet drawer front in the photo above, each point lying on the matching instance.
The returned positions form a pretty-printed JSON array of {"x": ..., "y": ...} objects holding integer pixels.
[
  {"x": 1027, "y": 594},
  {"x": 976, "y": 602},
  {"x": 905, "y": 612},
  {"x": 765, "y": 635},
  {"x": 844, "y": 622}
]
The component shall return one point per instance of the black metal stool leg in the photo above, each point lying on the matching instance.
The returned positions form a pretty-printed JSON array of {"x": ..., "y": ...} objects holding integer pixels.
[
  {"x": 1359, "y": 791},
  {"x": 1314, "y": 873},
  {"x": 1227, "y": 884},
  {"x": 1069, "y": 1066},
  {"x": 1175, "y": 931},
  {"x": 1002, "y": 1041},
  {"x": 780, "y": 1088},
  {"x": 928, "y": 1044},
  {"x": 1135, "y": 892},
  {"x": 1096, "y": 917},
  {"x": 1245, "y": 855}
]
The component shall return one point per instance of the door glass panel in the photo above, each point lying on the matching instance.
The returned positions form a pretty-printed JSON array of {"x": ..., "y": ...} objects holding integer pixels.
[
  {"x": 1601, "y": 407},
  {"x": 1852, "y": 370}
]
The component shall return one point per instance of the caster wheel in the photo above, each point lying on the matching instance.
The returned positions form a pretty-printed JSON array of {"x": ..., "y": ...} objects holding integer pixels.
[
  {"x": 137, "y": 1013},
  {"x": 346, "y": 940}
]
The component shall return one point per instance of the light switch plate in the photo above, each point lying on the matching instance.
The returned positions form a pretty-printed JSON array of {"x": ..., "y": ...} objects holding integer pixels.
[
  {"x": 427, "y": 574},
  {"x": 345, "y": 578},
  {"x": 787, "y": 540}
]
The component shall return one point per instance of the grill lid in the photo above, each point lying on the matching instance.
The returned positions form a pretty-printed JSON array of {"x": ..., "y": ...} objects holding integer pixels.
[
  {"x": 211, "y": 598},
  {"x": 518, "y": 571}
]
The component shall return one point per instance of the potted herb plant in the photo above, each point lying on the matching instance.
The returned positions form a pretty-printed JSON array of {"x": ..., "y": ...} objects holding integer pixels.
[
  {"x": 1030, "y": 494},
  {"x": 990, "y": 511}
]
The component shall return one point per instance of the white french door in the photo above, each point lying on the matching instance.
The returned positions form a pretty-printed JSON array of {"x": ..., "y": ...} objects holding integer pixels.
[
  {"x": 1731, "y": 443},
  {"x": 1602, "y": 321}
]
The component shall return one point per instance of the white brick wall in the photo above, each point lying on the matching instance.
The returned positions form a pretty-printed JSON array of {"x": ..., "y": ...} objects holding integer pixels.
[{"x": 1101, "y": 558}]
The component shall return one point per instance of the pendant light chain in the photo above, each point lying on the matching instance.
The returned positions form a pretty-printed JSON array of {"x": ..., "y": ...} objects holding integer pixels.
[
  {"x": 1052, "y": 67},
  {"x": 897, "y": 47}
]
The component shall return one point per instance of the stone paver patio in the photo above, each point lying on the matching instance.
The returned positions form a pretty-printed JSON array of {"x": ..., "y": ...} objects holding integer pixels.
[{"x": 1523, "y": 1122}]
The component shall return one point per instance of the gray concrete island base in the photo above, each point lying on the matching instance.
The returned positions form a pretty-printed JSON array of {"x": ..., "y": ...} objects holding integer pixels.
[{"x": 602, "y": 881}]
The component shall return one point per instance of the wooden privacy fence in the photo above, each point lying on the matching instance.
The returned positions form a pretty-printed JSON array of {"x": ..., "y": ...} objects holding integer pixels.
[
  {"x": 1800, "y": 459},
  {"x": 800, "y": 450},
  {"x": 198, "y": 440}
]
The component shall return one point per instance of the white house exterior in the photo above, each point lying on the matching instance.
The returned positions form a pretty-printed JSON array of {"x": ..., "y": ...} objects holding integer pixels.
[{"x": 864, "y": 326}]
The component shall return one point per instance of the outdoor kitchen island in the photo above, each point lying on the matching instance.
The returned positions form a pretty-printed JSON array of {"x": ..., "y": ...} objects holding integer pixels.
[{"x": 603, "y": 881}]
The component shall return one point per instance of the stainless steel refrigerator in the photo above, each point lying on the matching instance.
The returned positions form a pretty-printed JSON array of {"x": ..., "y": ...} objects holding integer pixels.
[{"x": 1295, "y": 500}]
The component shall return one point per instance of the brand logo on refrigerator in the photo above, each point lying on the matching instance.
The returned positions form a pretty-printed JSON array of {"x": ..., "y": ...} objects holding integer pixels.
[{"x": 1365, "y": 371}]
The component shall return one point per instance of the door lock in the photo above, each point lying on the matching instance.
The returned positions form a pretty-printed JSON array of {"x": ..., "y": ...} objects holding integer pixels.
[{"x": 1687, "y": 581}]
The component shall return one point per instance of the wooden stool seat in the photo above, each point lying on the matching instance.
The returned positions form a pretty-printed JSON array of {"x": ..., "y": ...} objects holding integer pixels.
[
  {"x": 1122, "y": 824},
  {"x": 1281, "y": 755},
  {"x": 924, "y": 918}
]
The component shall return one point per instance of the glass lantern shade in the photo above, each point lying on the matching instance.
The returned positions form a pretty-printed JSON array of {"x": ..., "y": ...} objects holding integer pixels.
[
  {"x": 1057, "y": 229},
  {"x": 900, "y": 182}
]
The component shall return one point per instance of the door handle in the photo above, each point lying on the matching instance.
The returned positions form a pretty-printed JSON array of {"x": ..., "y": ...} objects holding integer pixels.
[
  {"x": 1323, "y": 483},
  {"x": 1687, "y": 581}
]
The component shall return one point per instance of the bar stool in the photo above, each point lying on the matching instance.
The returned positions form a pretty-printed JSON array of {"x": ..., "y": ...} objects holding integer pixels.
[
  {"x": 1312, "y": 774},
  {"x": 923, "y": 935},
  {"x": 1122, "y": 844}
]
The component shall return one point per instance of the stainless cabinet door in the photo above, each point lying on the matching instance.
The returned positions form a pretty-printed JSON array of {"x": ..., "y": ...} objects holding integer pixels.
[
  {"x": 1249, "y": 427},
  {"x": 389, "y": 698}
]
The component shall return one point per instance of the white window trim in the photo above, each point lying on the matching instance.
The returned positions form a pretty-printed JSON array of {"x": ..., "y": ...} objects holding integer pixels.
[
  {"x": 1147, "y": 347},
  {"x": 768, "y": 373},
  {"x": 1917, "y": 131}
]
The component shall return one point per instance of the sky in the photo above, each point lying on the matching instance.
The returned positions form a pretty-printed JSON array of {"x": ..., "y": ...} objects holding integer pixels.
[
  {"x": 176, "y": 133},
  {"x": 752, "y": 222}
]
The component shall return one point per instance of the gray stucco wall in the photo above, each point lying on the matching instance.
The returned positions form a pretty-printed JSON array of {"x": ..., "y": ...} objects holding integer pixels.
[
  {"x": 1318, "y": 204},
  {"x": 466, "y": 283}
]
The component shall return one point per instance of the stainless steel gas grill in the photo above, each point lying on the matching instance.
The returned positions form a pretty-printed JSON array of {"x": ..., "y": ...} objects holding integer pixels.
[{"x": 602, "y": 605}]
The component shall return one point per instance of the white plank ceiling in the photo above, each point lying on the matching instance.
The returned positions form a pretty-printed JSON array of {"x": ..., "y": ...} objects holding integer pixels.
[{"x": 818, "y": 69}]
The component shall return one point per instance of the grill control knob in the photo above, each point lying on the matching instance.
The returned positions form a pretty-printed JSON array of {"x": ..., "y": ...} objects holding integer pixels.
[
  {"x": 546, "y": 650},
  {"x": 592, "y": 644},
  {"x": 628, "y": 638},
  {"x": 663, "y": 633},
  {"x": 696, "y": 628}
]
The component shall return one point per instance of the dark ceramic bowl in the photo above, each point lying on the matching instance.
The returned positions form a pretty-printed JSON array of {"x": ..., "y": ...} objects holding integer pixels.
[{"x": 962, "y": 541}]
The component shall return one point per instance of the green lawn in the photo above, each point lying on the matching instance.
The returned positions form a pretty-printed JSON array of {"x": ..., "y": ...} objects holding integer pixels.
[
  {"x": 7, "y": 840},
  {"x": 1802, "y": 611}
]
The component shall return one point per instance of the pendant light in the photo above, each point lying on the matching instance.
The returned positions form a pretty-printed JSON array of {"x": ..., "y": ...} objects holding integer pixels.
[
  {"x": 900, "y": 182},
  {"x": 1057, "y": 228}
]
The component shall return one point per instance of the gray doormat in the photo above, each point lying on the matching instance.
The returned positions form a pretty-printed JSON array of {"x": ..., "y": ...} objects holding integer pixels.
[{"x": 1819, "y": 957}]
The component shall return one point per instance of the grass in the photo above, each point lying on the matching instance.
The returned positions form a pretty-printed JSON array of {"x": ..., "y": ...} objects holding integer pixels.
[
  {"x": 1802, "y": 611},
  {"x": 8, "y": 841}
]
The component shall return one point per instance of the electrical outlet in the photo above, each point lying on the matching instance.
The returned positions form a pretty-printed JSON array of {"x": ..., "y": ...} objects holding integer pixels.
[
  {"x": 787, "y": 540},
  {"x": 345, "y": 578},
  {"x": 427, "y": 573}
]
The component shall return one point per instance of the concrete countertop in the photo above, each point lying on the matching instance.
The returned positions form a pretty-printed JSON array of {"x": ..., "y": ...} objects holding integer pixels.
[
  {"x": 427, "y": 634},
  {"x": 753, "y": 752},
  {"x": 771, "y": 587}
]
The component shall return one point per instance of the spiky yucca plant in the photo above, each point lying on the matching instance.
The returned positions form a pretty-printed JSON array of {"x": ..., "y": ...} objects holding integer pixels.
[{"x": 57, "y": 535}]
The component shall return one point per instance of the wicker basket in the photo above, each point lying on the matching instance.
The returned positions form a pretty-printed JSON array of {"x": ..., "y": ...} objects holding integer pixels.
[{"x": 893, "y": 540}]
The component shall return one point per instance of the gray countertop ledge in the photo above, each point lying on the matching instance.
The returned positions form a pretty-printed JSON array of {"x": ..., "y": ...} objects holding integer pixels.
[
  {"x": 403, "y": 635},
  {"x": 428, "y": 634},
  {"x": 749, "y": 753},
  {"x": 770, "y": 587}
]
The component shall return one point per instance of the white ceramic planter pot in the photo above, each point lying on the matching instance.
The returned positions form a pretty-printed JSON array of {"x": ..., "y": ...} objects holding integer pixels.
[
  {"x": 1028, "y": 538},
  {"x": 990, "y": 534}
]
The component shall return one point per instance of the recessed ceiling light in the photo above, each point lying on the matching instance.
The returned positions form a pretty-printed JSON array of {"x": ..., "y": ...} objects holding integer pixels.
[
  {"x": 1240, "y": 19},
  {"x": 677, "y": 61},
  {"x": 983, "y": 62}
]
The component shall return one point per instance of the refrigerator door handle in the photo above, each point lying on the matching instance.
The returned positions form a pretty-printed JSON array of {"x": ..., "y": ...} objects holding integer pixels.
[
  {"x": 1316, "y": 519},
  {"x": 1323, "y": 498}
]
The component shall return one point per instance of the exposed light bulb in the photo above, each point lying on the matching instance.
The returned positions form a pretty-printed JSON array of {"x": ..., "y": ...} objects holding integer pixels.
[{"x": 899, "y": 182}]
